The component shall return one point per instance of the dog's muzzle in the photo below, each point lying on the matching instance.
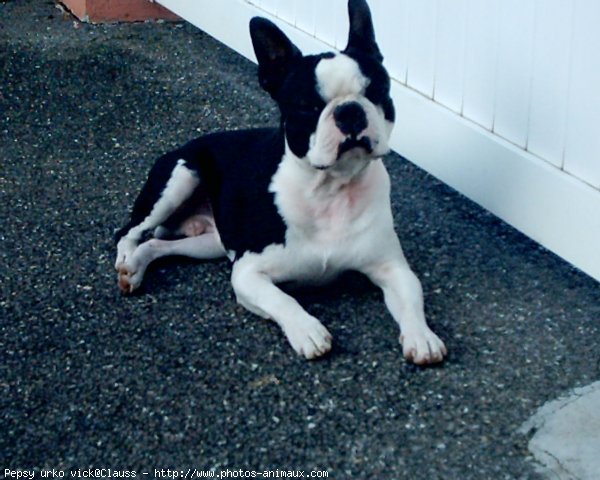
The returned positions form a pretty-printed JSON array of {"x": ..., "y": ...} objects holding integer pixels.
[
  {"x": 352, "y": 143},
  {"x": 350, "y": 118}
]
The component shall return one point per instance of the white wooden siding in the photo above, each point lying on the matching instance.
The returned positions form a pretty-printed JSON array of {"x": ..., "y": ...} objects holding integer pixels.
[
  {"x": 498, "y": 98},
  {"x": 582, "y": 150},
  {"x": 393, "y": 36},
  {"x": 450, "y": 65},
  {"x": 481, "y": 59},
  {"x": 421, "y": 46},
  {"x": 513, "y": 71},
  {"x": 550, "y": 75}
]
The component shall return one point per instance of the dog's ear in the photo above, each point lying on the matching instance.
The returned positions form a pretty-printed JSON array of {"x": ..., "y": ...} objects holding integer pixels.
[
  {"x": 362, "y": 33},
  {"x": 275, "y": 54}
]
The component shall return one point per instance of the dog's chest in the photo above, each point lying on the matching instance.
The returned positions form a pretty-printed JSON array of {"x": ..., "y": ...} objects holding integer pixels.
[
  {"x": 326, "y": 218},
  {"x": 326, "y": 212}
]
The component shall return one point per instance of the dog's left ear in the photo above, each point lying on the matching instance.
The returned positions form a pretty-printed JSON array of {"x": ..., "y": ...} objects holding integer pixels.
[
  {"x": 275, "y": 53},
  {"x": 362, "y": 33}
]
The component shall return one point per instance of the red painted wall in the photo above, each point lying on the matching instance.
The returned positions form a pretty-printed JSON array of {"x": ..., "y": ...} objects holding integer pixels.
[{"x": 98, "y": 11}]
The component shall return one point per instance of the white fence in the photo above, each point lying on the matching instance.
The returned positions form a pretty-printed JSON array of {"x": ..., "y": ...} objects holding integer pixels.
[{"x": 498, "y": 98}]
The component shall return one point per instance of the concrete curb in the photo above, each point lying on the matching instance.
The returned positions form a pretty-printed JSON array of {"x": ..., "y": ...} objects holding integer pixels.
[{"x": 566, "y": 435}]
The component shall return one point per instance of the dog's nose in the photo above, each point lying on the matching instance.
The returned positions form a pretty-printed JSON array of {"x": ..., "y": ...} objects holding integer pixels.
[{"x": 350, "y": 118}]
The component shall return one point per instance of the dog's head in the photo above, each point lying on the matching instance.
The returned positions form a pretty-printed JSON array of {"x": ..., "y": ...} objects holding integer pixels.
[{"x": 336, "y": 109}]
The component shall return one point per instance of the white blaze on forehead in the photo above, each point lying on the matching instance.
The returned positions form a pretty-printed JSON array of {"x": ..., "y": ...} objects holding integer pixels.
[{"x": 340, "y": 76}]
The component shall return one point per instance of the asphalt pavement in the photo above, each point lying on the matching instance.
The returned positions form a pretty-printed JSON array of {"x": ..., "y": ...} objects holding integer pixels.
[{"x": 179, "y": 376}]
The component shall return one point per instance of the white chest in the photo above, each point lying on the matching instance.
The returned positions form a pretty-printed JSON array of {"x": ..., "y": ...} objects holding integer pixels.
[
  {"x": 330, "y": 221},
  {"x": 321, "y": 207}
]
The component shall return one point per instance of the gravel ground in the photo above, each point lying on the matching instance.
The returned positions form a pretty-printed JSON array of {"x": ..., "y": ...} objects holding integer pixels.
[{"x": 179, "y": 376}]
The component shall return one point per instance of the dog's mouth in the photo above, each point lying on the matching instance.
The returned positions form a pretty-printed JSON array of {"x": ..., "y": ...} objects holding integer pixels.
[{"x": 352, "y": 143}]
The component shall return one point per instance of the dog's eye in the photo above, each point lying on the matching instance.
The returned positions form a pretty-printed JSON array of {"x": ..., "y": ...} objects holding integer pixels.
[{"x": 309, "y": 109}]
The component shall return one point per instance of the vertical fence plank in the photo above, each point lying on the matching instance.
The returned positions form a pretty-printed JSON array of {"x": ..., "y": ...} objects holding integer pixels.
[
  {"x": 582, "y": 153},
  {"x": 450, "y": 53},
  {"x": 392, "y": 36},
  {"x": 287, "y": 11},
  {"x": 480, "y": 62},
  {"x": 513, "y": 74},
  {"x": 305, "y": 15},
  {"x": 550, "y": 79},
  {"x": 421, "y": 52},
  {"x": 270, "y": 6},
  {"x": 325, "y": 20},
  {"x": 341, "y": 23}
]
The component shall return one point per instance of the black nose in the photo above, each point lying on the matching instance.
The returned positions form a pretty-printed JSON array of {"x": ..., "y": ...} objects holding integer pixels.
[{"x": 350, "y": 118}]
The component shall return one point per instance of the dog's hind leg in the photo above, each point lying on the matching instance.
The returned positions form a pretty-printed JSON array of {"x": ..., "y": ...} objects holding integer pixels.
[
  {"x": 206, "y": 246},
  {"x": 170, "y": 183}
]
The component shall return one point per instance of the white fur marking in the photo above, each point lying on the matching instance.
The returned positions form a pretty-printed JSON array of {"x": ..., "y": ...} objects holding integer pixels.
[
  {"x": 180, "y": 186},
  {"x": 204, "y": 247},
  {"x": 340, "y": 76}
]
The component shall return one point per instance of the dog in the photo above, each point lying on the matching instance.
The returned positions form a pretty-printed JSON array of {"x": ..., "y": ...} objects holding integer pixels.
[{"x": 301, "y": 202}]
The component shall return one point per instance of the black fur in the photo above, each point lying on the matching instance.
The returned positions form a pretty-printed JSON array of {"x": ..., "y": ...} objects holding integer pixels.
[{"x": 235, "y": 170}]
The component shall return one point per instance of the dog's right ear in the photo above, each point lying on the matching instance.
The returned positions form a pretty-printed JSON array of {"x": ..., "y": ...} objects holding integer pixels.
[
  {"x": 275, "y": 53},
  {"x": 362, "y": 33}
]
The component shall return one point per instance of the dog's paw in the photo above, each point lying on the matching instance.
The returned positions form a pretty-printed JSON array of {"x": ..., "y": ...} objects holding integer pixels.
[
  {"x": 423, "y": 347},
  {"x": 125, "y": 249},
  {"x": 308, "y": 337},
  {"x": 128, "y": 279},
  {"x": 131, "y": 272}
]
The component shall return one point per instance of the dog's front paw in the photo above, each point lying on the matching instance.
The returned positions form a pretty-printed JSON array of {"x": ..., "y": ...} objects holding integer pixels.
[
  {"x": 423, "y": 347},
  {"x": 308, "y": 337}
]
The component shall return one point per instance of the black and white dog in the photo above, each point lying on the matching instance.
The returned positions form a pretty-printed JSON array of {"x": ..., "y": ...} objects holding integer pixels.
[{"x": 301, "y": 202}]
